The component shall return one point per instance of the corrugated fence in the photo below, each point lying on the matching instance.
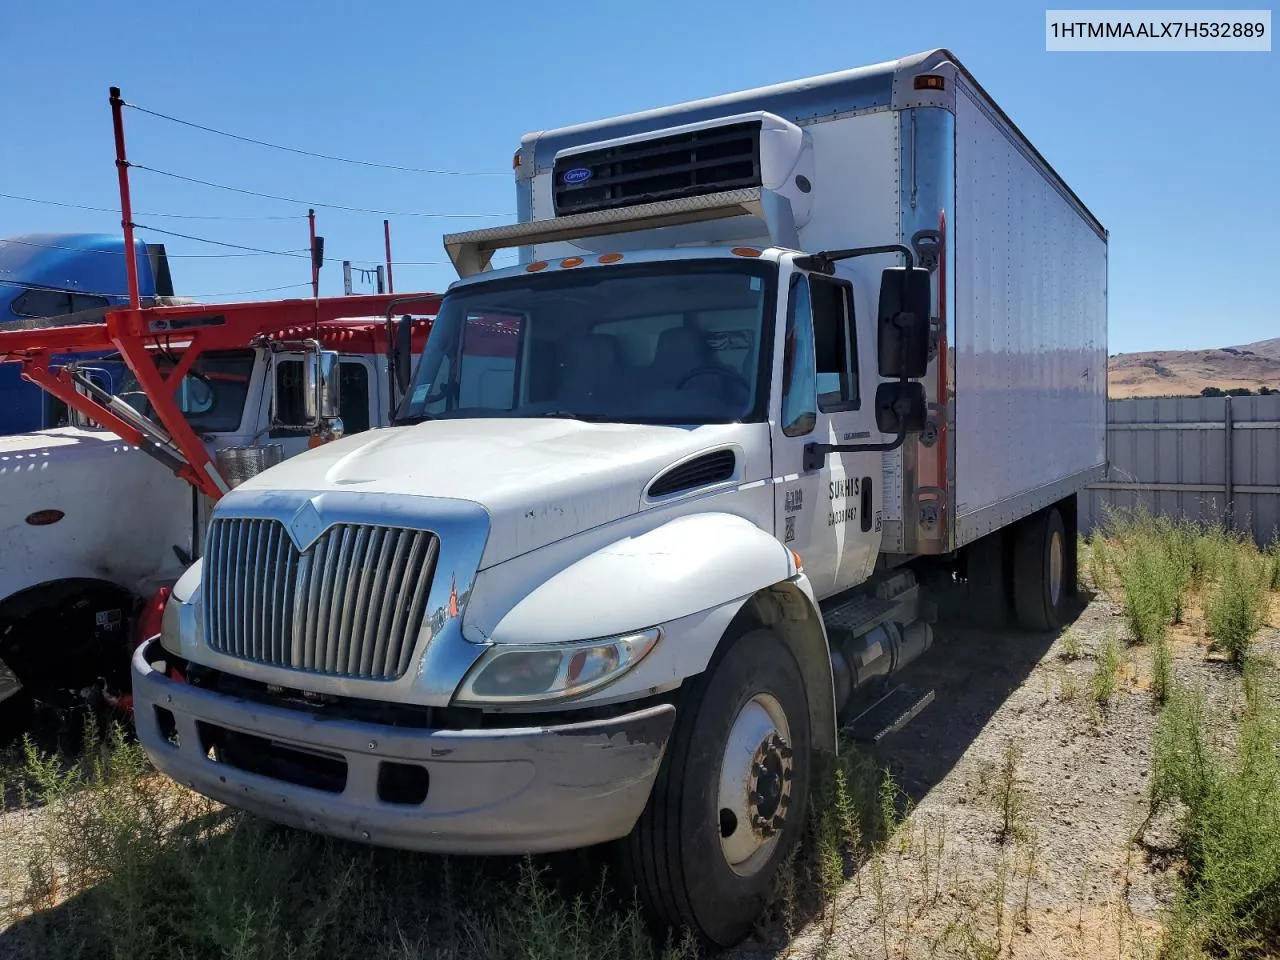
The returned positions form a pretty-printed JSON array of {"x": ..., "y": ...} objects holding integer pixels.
[{"x": 1206, "y": 458}]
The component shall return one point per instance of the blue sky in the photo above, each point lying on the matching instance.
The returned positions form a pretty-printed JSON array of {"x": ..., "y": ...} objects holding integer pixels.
[{"x": 1175, "y": 153}]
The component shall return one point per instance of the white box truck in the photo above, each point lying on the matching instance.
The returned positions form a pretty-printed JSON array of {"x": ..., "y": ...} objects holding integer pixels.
[{"x": 777, "y": 366}]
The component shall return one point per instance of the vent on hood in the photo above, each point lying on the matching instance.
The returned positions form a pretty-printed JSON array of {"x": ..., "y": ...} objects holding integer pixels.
[
  {"x": 690, "y": 164},
  {"x": 699, "y": 472}
]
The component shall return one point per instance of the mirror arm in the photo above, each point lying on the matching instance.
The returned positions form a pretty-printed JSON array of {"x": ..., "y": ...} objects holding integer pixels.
[
  {"x": 815, "y": 454},
  {"x": 825, "y": 260}
]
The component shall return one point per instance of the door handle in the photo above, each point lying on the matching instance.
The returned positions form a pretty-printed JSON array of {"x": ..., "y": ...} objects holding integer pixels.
[{"x": 866, "y": 504}]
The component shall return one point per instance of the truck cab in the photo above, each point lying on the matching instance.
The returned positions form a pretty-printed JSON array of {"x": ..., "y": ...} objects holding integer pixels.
[
  {"x": 48, "y": 275},
  {"x": 96, "y": 524}
]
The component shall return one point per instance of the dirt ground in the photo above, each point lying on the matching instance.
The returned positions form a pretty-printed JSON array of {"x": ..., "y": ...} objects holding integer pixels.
[
  {"x": 1065, "y": 878},
  {"x": 1025, "y": 796}
]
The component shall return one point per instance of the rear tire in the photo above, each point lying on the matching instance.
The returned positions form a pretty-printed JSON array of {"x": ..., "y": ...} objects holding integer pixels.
[
  {"x": 1040, "y": 569},
  {"x": 729, "y": 803}
]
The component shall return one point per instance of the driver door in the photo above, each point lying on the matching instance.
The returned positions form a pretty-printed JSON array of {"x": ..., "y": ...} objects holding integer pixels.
[{"x": 830, "y": 515}]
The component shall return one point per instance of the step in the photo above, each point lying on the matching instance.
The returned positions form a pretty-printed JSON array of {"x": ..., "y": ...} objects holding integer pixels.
[
  {"x": 889, "y": 714},
  {"x": 859, "y": 614}
]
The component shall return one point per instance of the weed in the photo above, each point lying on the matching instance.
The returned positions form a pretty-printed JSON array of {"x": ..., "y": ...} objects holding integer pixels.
[
  {"x": 1236, "y": 608},
  {"x": 844, "y": 796},
  {"x": 1072, "y": 647},
  {"x": 1161, "y": 671},
  {"x": 1009, "y": 794},
  {"x": 1272, "y": 556},
  {"x": 1106, "y": 672},
  {"x": 1228, "y": 903},
  {"x": 1099, "y": 563},
  {"x": 888, "y": 805},
  {"x": 1068, "y": 687}
]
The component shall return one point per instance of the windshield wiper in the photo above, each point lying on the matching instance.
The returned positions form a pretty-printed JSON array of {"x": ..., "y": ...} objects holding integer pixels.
[
  {"x": 410, "y": 421},
  {"x": 571, "y": 415}
]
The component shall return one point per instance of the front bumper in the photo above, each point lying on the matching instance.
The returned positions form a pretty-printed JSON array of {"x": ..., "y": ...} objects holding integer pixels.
[{"x": 493, "y": 791}]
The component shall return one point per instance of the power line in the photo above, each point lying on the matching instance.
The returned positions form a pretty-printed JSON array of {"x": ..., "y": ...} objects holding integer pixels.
[
  {"x": 312, "y": 153},
  {"x": 316, "y": 203},
  {"x": 300, "y": 252},
  {"x": 174, "y": 216}
]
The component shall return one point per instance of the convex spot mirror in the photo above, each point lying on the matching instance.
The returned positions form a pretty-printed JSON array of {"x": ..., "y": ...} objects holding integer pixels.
[
  {"x": 904, "y": 322},
  {"x": 901, "y": 407}
]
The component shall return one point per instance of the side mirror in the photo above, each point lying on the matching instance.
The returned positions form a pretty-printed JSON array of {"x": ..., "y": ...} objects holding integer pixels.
[
  {"x": 404, "y": 353},
  {"x": 320, "y": 385},
  {"x": 901, "y": 407},
  {"x": 906, "y": 303}
]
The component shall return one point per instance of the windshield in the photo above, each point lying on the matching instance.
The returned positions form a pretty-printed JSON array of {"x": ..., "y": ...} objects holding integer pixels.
[
  {"x": 650, "y": 343},
  {"x": 211, "y": 396}
]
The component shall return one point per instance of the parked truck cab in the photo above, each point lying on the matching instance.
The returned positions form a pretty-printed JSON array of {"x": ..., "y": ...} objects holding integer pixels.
[{"x": 779, "y": 362}]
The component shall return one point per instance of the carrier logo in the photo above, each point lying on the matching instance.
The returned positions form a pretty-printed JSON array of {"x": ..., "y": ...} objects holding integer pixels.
[{"x": 576, "y": 175}]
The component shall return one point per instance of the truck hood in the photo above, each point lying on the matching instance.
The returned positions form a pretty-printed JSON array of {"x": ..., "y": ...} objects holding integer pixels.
[{"x": 540, "y": 480}]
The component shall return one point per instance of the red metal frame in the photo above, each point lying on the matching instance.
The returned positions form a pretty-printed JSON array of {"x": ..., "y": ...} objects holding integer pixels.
[
  {"x": 193, "y": 329},
  {"x": 126, "y": 204}
]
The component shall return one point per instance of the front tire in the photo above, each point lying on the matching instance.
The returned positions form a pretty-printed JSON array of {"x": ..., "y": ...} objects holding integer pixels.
[{"x": 729, "y": 803}]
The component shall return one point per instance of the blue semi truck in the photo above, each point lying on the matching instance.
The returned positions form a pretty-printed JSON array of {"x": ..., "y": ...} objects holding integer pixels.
[{"x": 45, "y": 275}]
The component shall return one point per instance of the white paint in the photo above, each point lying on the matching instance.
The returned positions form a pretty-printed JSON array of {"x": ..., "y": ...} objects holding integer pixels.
[
  {"x": 541, "y": 480},
  {"x": 124, "y": 511},
  {"x": 1031, "y": 324}
]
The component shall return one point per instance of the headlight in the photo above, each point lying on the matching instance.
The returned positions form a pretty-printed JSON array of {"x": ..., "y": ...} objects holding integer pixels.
[{"x": 511, "y": 673}]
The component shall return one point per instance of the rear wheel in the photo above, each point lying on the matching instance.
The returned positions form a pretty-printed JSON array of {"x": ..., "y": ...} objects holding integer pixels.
[
  {"x": 1040, "y": 569},
  {"x": 729, "y": 803}
]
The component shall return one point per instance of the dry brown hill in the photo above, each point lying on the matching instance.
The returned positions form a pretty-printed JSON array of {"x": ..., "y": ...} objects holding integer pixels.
[{"x": 1161, "y": 373}]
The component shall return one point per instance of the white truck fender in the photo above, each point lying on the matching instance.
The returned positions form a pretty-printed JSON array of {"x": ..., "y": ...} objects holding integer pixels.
[
  {"x": 692, "y": 576},
  {"x": 687, "y": 566}
]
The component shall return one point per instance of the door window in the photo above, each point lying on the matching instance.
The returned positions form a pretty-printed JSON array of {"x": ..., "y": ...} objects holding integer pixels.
[
  {"x": 799, "y": 381},
  {"x": 353, "y": 398},
  {"x": 836, "y": 350}
]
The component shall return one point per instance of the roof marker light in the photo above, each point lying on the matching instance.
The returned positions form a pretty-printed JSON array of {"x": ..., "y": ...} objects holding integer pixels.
[
  {"x": 745, "y": 252},
  {"x": 609, "y": 257},
  {"x": 930, "y": 81},
  {"x": 536, "y": 266},
  {"x": 571, "y": 262}
]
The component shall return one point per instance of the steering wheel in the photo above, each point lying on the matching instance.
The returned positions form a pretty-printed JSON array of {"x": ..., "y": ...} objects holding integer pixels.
[{"x": 724, "y": 372}]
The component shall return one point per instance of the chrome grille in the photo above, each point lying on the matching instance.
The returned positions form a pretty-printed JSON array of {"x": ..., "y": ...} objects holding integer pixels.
[{"x": 350, "y": 604}]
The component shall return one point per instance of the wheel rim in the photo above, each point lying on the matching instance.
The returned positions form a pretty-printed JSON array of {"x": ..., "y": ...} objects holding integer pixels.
[
  {"x": 755, "y": 784},
  {"x": 1056, "y": 566}
]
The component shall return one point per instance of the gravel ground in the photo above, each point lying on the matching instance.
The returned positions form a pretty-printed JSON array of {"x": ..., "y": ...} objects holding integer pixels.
[{"x": 1066, "y": 880}]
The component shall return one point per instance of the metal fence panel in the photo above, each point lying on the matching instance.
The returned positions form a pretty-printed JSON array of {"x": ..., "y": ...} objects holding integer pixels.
[{"x": 1205, "y": 458}]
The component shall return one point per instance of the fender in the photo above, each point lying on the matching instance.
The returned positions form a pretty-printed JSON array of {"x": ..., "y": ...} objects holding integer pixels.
[
  {"x": 694, "y": 576},
  {"x": 686, "y": 566}
]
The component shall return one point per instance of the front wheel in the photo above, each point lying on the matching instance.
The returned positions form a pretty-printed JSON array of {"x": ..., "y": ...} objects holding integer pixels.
[{"x": 729, "y": 802}]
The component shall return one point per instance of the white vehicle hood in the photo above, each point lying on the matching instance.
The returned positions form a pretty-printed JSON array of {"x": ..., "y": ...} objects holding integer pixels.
[{"x": 540, "y": 480}]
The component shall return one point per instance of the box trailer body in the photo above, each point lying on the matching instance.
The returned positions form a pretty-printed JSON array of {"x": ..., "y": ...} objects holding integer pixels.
[
  {"x": 776, "y": 360},
  {"x": 1023, "y": 289}
]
